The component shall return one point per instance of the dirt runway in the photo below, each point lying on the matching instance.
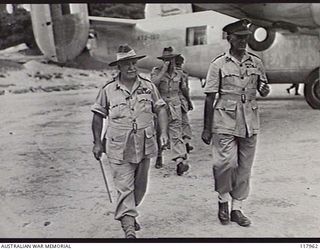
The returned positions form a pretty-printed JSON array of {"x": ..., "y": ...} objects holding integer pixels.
[{"x": 52, "y": 187}]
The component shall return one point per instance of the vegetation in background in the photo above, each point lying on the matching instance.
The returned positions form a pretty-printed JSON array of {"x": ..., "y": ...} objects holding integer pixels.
[
  {"x": 120, "y": 10},
  {"x": 16, "y": 28}
]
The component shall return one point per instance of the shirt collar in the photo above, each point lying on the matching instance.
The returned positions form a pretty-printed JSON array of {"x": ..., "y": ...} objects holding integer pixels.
[
  {"x": 246, "y": 57},
  {"x": 119, "y": 85},
  {"x": 174, "y": 73}
]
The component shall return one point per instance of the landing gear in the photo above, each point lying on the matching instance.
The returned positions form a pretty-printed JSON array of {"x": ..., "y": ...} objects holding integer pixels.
[
  {"x": 312, "y": 89},
  {"x": 203, "y": 82}
]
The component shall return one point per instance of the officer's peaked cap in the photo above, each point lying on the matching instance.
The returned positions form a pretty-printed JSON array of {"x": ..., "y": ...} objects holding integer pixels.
[{"x": 238, "y": 28}]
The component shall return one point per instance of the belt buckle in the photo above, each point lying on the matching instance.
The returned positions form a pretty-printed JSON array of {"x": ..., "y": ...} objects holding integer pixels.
[
  {"x": 243, "y": 98},
  {"x": 134, "y": 127}
]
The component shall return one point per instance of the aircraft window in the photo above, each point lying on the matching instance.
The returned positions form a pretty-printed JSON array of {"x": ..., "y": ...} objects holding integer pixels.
[
  {"x": 65, "y": 8},
  {"x": 196, "y": 35}
]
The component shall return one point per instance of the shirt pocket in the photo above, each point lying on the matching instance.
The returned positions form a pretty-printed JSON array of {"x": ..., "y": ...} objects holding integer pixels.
[
  {"x": 254, "y": 74},
  {"x": 116, "y": 143},
  {"x": 255, "y": 115},
  {"x": 225, "y": 115},
  {"x": 118, "y": 110},
  {"x": 229, "y": 77},
  {"x": 226, "y": 72},
  {"x": 151, "y": 146},
  {"x": 175, "y": 83},
  {"x": 145, "y": 102}
]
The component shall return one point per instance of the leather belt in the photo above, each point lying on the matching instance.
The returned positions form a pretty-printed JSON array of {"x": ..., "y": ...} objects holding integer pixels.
[{"x": 238, "y": 97}]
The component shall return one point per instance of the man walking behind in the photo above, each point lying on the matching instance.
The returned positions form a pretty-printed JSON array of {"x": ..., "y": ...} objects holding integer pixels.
[
  {"x": 186, "y": 104},
  {"x": 168, "y": 80}
]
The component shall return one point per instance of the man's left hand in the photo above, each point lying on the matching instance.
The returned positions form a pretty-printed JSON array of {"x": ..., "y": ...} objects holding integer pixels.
[
  {"x": 190, "y": 106},
  {"x": 264, "y": 89}
]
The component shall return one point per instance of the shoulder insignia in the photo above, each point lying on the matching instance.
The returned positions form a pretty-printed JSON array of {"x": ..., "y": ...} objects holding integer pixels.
[
  {"x": 156, "y": 68},
  {"x": 146, "y": 79},
  {"x": 254, "y": 55},
  {"x": 218, "y": 57},
  {"x": 108, "y": 82}
]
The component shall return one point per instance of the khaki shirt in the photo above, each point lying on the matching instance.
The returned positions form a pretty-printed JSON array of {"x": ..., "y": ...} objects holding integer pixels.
[
  {"x": 236, "y": 109},
  {"x": 169, "y": 88},
  {"x": 130, "y": 131}
]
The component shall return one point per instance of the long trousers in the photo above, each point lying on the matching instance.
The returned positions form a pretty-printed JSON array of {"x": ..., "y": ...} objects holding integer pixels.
[
  {"x": 130, "y": 181},
  {"x": 177, "y": 144},
  {"x": 232, "y": 163},
  {"x": 186, "y": 128}
]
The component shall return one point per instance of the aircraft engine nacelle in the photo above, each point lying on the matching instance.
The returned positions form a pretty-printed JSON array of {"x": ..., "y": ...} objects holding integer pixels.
[
  {"x": 315, "y": 13},
  {"x": 261, "y": 38},
  {"x": 60, "y": 30}
]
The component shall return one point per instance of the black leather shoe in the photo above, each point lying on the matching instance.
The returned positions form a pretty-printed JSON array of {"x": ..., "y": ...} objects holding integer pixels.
[
  {"x": 189, "y": 148},
  {"x": 238, "y": 217},
  {"x": 223, "y": 213},
  {"x": 181, "y": 168},
  {"x": 159, "y": 163}
]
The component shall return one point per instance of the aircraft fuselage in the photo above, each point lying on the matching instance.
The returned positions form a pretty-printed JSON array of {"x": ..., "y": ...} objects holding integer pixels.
[{"x": 150, "y": 36}]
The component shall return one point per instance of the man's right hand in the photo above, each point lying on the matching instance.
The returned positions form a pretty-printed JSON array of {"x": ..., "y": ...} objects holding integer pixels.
[
  {"x": 190, "y": 106},
  {"x": 206, "y": 136},
  {"x": 97, "y": 150},
  {"x": 165, "y": 66}
]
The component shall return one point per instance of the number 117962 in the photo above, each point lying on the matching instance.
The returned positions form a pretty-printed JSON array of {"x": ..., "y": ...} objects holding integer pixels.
[{"x": 309, "y": 245}]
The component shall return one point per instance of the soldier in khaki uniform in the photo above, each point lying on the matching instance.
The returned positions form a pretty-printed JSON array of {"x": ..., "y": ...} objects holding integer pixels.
[
  {"x": 231, "y": 119},
  {"x": 186, "y": 104},
  {"x": 169, "y": 81},
  {"x": 130, "y": 103}
]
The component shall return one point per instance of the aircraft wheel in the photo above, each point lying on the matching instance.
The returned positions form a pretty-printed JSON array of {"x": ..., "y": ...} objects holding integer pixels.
[
  {"x": 203, "y": 83},
  {"x": 312, "y": 89}
]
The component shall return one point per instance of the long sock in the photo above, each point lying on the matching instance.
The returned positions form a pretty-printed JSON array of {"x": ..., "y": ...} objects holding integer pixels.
[
  {"x": 236, "y": 204},
  {"x": 224, "y": 197}
]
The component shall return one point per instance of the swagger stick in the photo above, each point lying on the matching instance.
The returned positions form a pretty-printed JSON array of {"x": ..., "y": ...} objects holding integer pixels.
[{"x": 105, "y": 180}]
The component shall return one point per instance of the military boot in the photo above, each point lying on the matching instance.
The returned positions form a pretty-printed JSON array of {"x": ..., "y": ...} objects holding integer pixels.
[
  {"x": 238, "y": 217},
  {"x": 223, "y": 213},
  {"x": 181, "y": 168},
  {"x": 128, "y": 226},
  {"x": 159, "y": 162},
  {"x": 189, "y": 148}
]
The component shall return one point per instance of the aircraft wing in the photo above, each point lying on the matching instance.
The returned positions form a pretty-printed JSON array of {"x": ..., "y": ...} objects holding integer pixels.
[
  {"x": 114, "y": 21},
  {"x": 278, "y": 15}
]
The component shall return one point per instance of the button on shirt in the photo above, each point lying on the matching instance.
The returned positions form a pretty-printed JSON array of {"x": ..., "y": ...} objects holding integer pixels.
[
  {"x": 130, "y": 131},
  {"x": 236, "y": 109}
]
